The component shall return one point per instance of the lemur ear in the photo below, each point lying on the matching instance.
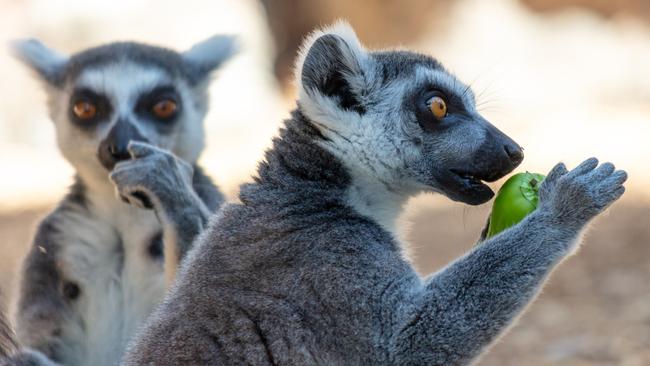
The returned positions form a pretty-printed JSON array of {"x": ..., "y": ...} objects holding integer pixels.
[
  {"x": 330, "y": 64},
  {"x": 48, "y": 64},
  {"x": 204, "y": 57}
]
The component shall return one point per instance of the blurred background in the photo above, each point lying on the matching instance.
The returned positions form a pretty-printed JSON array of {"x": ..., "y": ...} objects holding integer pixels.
[{"x": 567, "y": 79}]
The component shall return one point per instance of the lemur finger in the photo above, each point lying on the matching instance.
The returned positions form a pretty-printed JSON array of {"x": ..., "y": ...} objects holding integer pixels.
[
  {"x": 122, "y": 177},
  {"x": 616, "y": 179},
  {"x": 144, "y": 199},
  {"x": 603, "y": 171},
  {"x": 139, "y": 149},
  {"x": 137, "y": 198},
  {"x": 618, "y": 193},
  {"x": 607, "y": 198},
  {"x": 121, "y": 196},
  {"x": 185, "y": 168},
  {"x": 558, "y": 170},
  {"x": 584, "y": 167}
]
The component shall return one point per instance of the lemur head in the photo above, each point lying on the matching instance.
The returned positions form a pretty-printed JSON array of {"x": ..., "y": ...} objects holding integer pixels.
[
  {"x": 400, "y": 118},
  {"x": 104, "y": 97}
]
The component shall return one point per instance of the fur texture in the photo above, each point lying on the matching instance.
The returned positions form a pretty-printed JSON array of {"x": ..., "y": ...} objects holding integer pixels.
[
  {"x": 96, "y": 267},
  {"x": 305, "y": 270}
]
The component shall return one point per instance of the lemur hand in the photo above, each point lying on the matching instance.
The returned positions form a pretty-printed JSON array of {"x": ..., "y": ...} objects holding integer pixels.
[
  {"x": 154, "y": 178},
  {"x": 573, "y": 198}
]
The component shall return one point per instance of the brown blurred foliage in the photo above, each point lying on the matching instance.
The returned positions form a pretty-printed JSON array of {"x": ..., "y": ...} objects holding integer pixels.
[
  {"x": 394, "y": 22},
  {"x": 606, "y": 8},
  {"x": 378, "y": 23}
]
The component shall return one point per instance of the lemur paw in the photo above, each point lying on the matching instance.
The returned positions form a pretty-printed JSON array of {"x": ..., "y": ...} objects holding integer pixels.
[
  {"x": 575, "y": 197},
  {"x": 152, "y": 177}
]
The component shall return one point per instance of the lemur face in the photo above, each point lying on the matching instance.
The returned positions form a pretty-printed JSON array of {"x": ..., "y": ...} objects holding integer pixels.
[
  {"x": 105, "y": 97},
  {"x": 401, "y": 118}
]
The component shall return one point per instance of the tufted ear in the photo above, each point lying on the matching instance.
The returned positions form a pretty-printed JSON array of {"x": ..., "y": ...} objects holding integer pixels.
[
  {"x": 206, "y": 56},
  {"x": 48, "y": 64},
  {"x": 331, "y": 64}
]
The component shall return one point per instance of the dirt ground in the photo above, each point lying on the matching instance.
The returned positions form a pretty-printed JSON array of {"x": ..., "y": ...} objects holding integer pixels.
[{"x": 595, "y": 309}]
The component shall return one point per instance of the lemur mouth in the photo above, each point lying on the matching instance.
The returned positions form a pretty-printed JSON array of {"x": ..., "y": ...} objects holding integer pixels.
[
  {"x": 469, "y": 187},
  {"x": 490, "y": 176}
]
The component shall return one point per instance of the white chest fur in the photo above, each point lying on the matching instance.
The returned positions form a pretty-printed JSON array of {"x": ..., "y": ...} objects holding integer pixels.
[{"x": 107, "y": 254}]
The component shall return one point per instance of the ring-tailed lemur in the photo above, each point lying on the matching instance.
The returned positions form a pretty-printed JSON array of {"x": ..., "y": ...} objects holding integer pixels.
[
  {"x": 306, "y": 269},
  {"x": 95, "y": 270}
]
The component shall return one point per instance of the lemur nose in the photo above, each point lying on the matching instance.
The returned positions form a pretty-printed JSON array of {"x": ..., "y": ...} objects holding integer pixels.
[
  {"x": 114, "y": 148},
  {"x": 514, "y": 152},
  {"x": 118, "y": 153}
]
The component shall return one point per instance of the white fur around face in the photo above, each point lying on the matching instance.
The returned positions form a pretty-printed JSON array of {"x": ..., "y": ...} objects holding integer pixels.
[
  {"x": 379, "y": 145},
  {"x": 123, "y": 83},
  {"x": 106, "y": 254},
  {"x": 357, "y": 140},
  {"x": 341, "y": 29}
]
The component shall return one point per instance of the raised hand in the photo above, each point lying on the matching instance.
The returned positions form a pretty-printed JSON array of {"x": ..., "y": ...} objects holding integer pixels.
[
  {"x": 573, "y": 198},
  {"x": 155, "y": 178}
]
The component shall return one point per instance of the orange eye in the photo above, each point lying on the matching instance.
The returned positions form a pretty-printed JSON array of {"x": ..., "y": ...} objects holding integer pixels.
[
  {"x": 438, "y": 107},
  {"x": 84, "y": 110},
  {"x": 164, "y": 108}
]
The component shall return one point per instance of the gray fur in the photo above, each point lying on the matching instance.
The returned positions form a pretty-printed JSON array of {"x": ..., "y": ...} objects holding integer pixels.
[
  {"x": 49, "y": 64},
  {"x": 193, "y": 65},
  {"x": 47, "y": 321},
  {"x": 94, "y": 271},
  {"x": 154, "y": 176},
  {"x": 300, "y": 273},
  {"x": 8, "y": 342}
]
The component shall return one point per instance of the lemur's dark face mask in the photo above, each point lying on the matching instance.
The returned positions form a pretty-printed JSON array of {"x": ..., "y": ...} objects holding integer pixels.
[
  {"x": 464, "y": 149},
  {"x": 158, "y": 108}
]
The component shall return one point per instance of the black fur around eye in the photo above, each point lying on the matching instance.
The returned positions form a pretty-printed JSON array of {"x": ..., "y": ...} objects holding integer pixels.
[
  {"x": 423, "y": 108},
  {"x": 435, "y": 109},
  {"x": 161, "y": 104},
  {"x": 87, "y": 108}
]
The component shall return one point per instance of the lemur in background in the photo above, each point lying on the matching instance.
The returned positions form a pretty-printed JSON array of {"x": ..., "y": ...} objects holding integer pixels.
[
  {"x": 129, "y": 118},
  {"x": 307, "y": 268}
]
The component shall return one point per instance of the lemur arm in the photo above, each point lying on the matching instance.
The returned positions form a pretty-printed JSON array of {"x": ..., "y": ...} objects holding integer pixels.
[
  {"x": 460, "y": 310},
  {"x": 183, "y": 198},
  {"x": 42, "y": 306},
  {"x": 185, "y": 217}
]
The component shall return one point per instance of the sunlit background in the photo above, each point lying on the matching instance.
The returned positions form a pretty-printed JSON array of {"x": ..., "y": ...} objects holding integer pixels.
[{"x": 567, "y": 79}]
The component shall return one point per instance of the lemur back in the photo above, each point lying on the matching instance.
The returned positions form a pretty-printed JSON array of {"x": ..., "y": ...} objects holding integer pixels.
[
  {"x": 307, "y": 270},
  {"x": 129, "y": 118}
]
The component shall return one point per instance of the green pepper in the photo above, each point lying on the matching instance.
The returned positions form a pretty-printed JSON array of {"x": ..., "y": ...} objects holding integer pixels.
[{"x": 516, "y": 198}]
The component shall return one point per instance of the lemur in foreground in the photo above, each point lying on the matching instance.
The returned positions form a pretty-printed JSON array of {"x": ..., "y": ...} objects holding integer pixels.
[
  {"x": 307, "y": 269},
  {"x": 129, "y": 118}
]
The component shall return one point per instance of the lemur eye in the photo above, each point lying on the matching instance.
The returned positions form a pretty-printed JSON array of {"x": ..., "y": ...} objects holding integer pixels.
[
  {"x": 164, "y": 109},
  {"x": 84, "y": 110},
  {"x": 438, "y": 107}
]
